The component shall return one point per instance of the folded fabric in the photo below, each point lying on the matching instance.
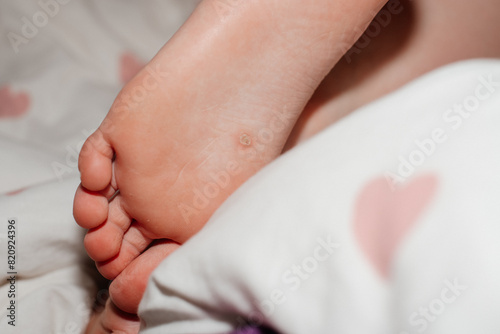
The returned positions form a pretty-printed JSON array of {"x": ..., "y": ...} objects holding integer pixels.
[
  {"x": 54, "y": 285},
  {"x": 386, "y": 222}
]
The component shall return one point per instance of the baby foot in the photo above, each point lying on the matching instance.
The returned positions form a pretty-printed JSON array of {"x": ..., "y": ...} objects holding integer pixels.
[{"x": 215, "y": 105}]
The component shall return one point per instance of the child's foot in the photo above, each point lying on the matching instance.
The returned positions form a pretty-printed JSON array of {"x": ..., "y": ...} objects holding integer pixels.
[{"x": 213, "y": 107}]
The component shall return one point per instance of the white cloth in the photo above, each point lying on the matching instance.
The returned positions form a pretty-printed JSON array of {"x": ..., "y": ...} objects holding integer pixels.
[
  {"x": 54, "y": 286},
  {"x": 322, "y": 241},
  {"x": 62, "y": 63}
]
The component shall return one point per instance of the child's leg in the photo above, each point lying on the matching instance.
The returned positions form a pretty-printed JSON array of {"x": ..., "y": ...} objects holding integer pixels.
[
  {"x": 407, "y": 39},
  {"x": 215, "y": 105}
]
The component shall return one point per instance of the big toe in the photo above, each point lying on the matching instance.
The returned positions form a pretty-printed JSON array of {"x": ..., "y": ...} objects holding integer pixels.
[
  {"x": 95, "y": 162},
  {"x": 127, "y": 289}
]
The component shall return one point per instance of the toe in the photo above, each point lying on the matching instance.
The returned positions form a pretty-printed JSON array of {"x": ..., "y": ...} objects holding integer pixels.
[
  {"x": 104, "y": 241},
  {"x": 90, "y": 209},
  {"x": 132, "y": 245},
  {"x": 95, "y": 162},
  {"x": 127, "y": 289},
  {"x": 114, "y": 320}
]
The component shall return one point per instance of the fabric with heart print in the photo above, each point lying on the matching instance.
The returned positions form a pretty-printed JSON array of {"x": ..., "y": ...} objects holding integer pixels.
[
  {"x": 384, "y": 215},
  {"x": 13, "y": 104},
  {"x": 130, "y": 65}
]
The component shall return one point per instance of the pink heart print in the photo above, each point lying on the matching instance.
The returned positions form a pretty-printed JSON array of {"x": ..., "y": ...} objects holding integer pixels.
[
  {"x": 384, "y": 215},
  {"x": 13, "y": 104},
  {"x": 129, "y": 66}
]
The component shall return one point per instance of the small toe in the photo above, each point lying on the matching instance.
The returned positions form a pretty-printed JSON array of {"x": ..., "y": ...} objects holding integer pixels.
[
  {"x": 104, "y": 241},
  {"x": 95, "y": 162},
  {"x": 133, "y": 244},
  {"x": 114, "y": 320},
  {"x": 90, "y": 209}
]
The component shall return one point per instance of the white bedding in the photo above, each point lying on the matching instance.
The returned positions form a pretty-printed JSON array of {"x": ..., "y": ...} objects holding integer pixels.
[
  {"x": 323, "y": 206},
  {"x": 56, "y": 85},
  {"x": 55, "y": 285},
  {"x": 322, "y": 241}
]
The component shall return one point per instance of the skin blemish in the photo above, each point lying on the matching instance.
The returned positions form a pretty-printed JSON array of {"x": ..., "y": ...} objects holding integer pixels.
[{"x": 245, "y": 139}]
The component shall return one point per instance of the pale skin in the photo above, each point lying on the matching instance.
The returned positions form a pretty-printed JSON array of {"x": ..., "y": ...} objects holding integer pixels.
[{"x": 242, "y": 68}]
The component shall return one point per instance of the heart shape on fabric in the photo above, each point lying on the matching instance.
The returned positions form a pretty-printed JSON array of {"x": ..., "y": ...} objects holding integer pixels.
[
  {"x": 384, "y": 216},
  {"x": 130, "y": 65},
  {"x": 13, "y": 104}
]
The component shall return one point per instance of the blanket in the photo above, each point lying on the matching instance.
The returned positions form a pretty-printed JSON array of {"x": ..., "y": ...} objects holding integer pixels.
[{"x": 386, "y": 222}]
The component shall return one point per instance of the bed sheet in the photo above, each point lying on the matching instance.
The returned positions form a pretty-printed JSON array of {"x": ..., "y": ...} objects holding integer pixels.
[
  {"x": 51, "y": 281},
  {"x": 62, "y": 63}
]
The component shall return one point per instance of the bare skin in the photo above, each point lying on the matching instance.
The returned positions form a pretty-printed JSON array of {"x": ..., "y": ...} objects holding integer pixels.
[
  {"x": 422, "y": 37},
  {"x": 410, "y": 46}
]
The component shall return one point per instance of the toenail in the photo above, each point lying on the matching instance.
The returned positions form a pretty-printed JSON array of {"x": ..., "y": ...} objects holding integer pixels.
[{"x": 245, "y": 139}]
